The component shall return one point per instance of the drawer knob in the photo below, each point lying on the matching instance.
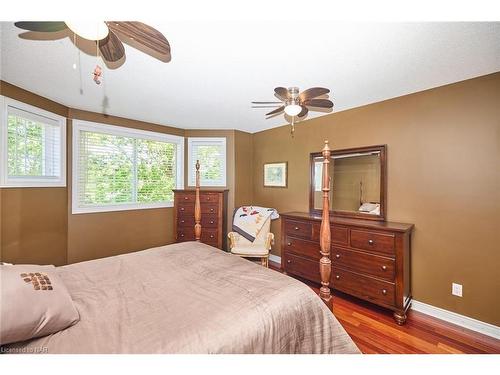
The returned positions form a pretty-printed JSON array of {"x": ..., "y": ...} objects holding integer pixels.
[
  {"x": 296, "y": 228},
  {"x": 289, "y": 261},
  {"x": 208, "y": 198},
  {"x": 384, "y": 292},
  {"x": 337, "y": 277},
  {"x": 370, "y": 242},
  {"x": 289, "y": 244},
  {"x": 337, "y": 256},
  {"x": 211, "y": 221},
  {"x": 182, "y": 221},
  {"x": 185, "y": 198},
  {"x": 384, "y": 268},
  {"x": 182, "y": 208},
  {"x": 211, "y": 210},
  {"x": 182, "y": 235},
  {"x": 211, "y": 236}
]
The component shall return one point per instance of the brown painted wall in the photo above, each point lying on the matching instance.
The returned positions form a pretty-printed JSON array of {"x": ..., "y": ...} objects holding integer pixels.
[
  {"x": 98, "y": 235},
  {"x": 243, "y": 162},
  {"x": 34, "y": 225},
  {"x": 443, "y": 175},
  {"x": 37, "y": 225},
  {"x": 28, "y": 97},
  {"x": 33, "y": 220}
]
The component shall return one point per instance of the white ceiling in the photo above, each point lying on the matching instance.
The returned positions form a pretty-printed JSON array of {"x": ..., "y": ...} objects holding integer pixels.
[{"x": 217, "y": 69}]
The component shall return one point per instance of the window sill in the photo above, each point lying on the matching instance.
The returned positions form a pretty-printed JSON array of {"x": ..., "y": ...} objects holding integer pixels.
[
  {"x": 122, "y": 207},
  {"x": 25, "y": 184}
]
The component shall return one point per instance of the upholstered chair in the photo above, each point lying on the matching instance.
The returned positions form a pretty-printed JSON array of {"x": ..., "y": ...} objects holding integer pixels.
[{"x": 259, "y": 248}]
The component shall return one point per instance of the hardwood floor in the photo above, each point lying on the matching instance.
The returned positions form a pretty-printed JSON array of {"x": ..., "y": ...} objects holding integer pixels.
[{"x": 373, "y": 330}]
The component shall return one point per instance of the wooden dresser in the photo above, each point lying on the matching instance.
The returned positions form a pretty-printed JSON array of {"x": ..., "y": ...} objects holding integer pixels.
[
  {"x": 213, "y": 216},
  {"x": 370, "y": 259}
]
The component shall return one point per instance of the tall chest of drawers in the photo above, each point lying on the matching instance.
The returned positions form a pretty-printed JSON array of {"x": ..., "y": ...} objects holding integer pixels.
[
  {"x": 370, "y": 259},
  {"x": 213, "y": 216}
]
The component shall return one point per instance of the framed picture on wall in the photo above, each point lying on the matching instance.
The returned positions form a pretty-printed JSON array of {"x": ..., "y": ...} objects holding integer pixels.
[{"x": 275, "y": 174}]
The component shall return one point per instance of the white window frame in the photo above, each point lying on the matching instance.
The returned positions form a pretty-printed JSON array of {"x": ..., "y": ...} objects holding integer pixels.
[
  {"x": 79, "y": 125},
  {"x": 29, "y": 181},
  {"x": 210, "y": 141}
]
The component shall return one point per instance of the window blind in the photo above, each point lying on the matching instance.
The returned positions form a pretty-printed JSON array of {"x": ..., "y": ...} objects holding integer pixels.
[
  {"x": 33, "y": 146},
  {"x": 211, "y": 152},
  {"x": 116, "y": 168}
]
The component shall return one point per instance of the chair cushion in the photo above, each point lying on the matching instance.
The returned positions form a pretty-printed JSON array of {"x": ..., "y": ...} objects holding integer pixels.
[{"x": 250, "y": 250}]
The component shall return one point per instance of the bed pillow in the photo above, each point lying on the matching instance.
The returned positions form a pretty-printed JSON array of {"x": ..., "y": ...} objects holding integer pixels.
[{"x": 33, "y": 302}]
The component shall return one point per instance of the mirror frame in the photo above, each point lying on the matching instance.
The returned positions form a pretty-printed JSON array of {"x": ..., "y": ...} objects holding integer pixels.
[{"x": 383, "y": 183}]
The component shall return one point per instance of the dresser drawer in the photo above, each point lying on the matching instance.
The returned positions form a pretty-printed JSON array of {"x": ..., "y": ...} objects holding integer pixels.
[
  {"x": 185, "y": 234},
  {"x": 308, "y": 269},
  {"x": 209, "y": 236},
  {"x": 339, "y": 234},
  {"x": 365, "y": 287},
  {"x": 209, "y": 208},
  {"x": 298, "y": 229},
  {"x": 207, "y": 221},
  {"x": 186, "y": 198},
  {"x": 302, "y": 247},
  {"x": 213, "y": 216},
  {"x": 185, "y": 208},
  {"x": 372, "y": 265},
  {"x": 209, "y": 198},
  {"x": 373, "y": 241},
  {"x": 204, "y": 197}
]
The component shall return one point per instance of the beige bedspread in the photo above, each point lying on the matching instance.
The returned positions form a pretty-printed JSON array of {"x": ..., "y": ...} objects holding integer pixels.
[{"x": 191, "y": 298}]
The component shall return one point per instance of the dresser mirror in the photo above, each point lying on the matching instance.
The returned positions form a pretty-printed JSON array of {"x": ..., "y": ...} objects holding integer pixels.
[{"x": 358, "y": 183}]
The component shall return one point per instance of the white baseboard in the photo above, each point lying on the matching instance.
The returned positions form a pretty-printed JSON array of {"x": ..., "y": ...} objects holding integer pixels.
[
  {"x": 448, "y": 316},
  {"x": 459, "y": 320},
  {"x": 275, "y": 258}
]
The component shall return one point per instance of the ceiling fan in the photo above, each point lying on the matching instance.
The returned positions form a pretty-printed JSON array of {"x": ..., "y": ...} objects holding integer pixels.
[
  {"x": 296, "y": 104},
  {"x": 109, "y": 35}
]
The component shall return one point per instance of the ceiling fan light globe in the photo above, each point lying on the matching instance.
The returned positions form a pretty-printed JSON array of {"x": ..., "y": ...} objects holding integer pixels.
[
  {"x": 293, "y": 109},
  {"x": 91, "y": 30}
]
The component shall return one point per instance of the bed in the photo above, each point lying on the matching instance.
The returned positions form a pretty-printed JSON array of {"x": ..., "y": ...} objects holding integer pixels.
[{"x": 193, "y": 298}]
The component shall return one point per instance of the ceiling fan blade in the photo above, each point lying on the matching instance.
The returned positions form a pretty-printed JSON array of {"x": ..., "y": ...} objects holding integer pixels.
[
  {"x": 321, "y": 103},
  {"x": 143, "y": 37},
  {"x": 111, "y": 48},
  {"x": 265, "y": 106},
  {"x": 266, "y": 102},
  {"x": 277, "y": 110},
  {"x": 41, "y": 26},
  {"x": 303, "y": 112},
  {"x": 282, "y": 93},
  {"x": 313, "y": 92}
]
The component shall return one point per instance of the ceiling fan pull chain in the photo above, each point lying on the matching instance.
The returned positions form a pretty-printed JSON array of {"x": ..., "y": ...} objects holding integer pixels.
[
  {"x": 97, "y": 70},
  {"x": 74, "y": 42}
]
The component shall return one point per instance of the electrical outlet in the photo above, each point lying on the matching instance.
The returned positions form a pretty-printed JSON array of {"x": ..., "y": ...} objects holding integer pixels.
[{"x": 456, "y": 289}]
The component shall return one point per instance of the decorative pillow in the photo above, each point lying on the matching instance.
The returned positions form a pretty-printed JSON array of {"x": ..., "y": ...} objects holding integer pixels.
[{"x": 33, "y": 302}]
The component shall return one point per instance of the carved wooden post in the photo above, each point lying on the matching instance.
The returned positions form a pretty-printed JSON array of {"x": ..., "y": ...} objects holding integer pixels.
[
  {"x": 197, "y": 207},
  {"x": 325, "y": 264}
]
